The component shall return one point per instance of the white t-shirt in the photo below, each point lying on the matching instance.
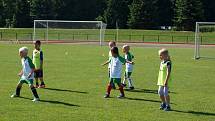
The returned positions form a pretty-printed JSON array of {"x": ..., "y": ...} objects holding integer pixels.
[
  {"x": 116, "y": 66},
  {"x": 27, "y": 66},
  {"x": 129, "y": 57}
]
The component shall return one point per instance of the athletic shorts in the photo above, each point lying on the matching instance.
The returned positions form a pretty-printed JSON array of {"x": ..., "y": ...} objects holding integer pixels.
[
  {"x": 115, "y": 80},
  {"x": 38, "y": 73},
  {"x": 30, "y": 81},
  {"x": 128, "y": 74}
]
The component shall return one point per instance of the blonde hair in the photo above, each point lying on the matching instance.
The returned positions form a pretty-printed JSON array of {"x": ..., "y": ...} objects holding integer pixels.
[
  {"x": 126, "y": 46},
  {"x": 23, "y": 49},
  {"x": 164, "y": 51}
]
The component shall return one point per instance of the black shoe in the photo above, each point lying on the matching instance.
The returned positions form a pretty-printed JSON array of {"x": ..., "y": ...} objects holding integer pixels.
[
  {"x": 131, "y": 88},
  {"x": 106, "y": 96},
  {"x": 124, "y": 85},
  {"x": 167, "y": 108},
  {"x": 163, "y": 106}
]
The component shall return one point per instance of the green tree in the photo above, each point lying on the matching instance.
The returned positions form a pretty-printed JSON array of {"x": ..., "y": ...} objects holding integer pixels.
[
  {"x": 117, "y": 11},
  {"x": 209, "y": 10},
  {"x": 187, "y": 12},
  {"x": 22, "y": 14},
  {"x": 2, "y": 16},
  {"x": 136, "y": 14}
]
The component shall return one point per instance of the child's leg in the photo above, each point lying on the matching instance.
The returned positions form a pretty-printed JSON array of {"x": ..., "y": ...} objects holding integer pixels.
[
  {"x": 130, "y": 84},
  {"x": 161, "y": 94},
  {"x": 109, "y": 87},
  {"x": 40, "y": 76},
  {"x": 34, "y": 91},
  {"x": 18, "y": 88},
  {"x": 166, "y": 96},
  {"x": 124, "y": 80},
  {"x": 37, "y": 83},
  {"x": 121, "y": 89}
]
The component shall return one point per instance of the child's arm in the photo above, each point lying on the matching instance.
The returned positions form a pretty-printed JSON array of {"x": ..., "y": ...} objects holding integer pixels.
[
  {"x": 107, "y": 62},
  {"x": 130, "y": 62},
  {"x": 32, "y": 68},
  {"x": 20, "y": 73},
  {"x": 41, "y": 60},
  {"x": 168, "y": 75}
]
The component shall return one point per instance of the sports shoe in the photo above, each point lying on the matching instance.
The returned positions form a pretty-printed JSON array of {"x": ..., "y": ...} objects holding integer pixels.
[
  {"x": 121, "y": 96},
  {"x": 37, "y": 86},
  {"x": 42, "y": 86},
  {"x": 167, "y": 108},
  {"x": 131, "y": 88},
  {"x": 163, "y": 106},
  {"x": 14, "y": 95},
  {"x": 106, "y": 96},
  {"x": 124, "y": 85},
  {"x": 36, "y": 99}
]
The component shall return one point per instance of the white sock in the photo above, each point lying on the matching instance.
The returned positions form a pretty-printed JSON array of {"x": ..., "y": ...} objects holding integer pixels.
[{"x": 130, "y": 82}]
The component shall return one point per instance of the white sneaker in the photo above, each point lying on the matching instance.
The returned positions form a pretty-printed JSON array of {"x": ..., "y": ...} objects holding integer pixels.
[
  {"x": 36, "y": 99},
  {"x": 14, "y": 95}
]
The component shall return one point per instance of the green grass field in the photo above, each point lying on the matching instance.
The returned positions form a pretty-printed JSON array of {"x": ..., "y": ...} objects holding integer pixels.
[
  {"x": 76, "y": 84},
  {"x": 125, "y": 35}
]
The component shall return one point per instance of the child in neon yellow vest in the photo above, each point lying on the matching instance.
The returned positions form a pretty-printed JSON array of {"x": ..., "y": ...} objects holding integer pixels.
[
  {"x": 164, "y": 78},
  {"x": 38, "y": 63}
]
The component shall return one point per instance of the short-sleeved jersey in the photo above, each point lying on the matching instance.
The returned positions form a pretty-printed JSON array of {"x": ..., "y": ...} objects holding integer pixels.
[
  {"x": 37, "y": 58},
  {"x": 129, "y": 57},
  {"x": 163, "y": 72},
  {"x": 27, "y": 67},
  {"x": 116, "y": 66}
]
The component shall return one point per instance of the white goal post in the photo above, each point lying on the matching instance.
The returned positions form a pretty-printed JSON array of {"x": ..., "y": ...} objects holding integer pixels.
[
  {"x": 201, "y": 27},
  {"x": 69, "y": 31}
]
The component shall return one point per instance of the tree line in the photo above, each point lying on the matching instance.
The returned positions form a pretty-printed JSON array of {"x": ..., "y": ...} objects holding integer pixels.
[{"x": 135, "y": 14}]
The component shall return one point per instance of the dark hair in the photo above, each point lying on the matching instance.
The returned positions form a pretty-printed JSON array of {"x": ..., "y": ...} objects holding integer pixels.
[
  {"x": 114, "y": 43},
  {"x": 115, "y": 50},
  {"x": 37, "y": 42}
]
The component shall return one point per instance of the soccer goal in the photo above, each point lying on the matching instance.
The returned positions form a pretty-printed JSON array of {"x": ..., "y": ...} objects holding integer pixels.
[
  {"x": 60, "y": 31},
  {"x": 204, "y": 35}
]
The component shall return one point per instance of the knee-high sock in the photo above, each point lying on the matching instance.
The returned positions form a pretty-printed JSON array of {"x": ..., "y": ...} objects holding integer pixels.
[
  {"x": 130, "y": 82},
  {"x": 34, "y": 91},
  {"x": 121, "y": 89},
  {"x": 109, "y": 87},
  {"x": 18, "y": 90},
  {"x": 124, "y": 81}
]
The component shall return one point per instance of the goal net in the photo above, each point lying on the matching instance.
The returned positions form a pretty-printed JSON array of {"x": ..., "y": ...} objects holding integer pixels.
[
  {"x": 204, "y": 35},
  {"x": 60, "y": 31}
]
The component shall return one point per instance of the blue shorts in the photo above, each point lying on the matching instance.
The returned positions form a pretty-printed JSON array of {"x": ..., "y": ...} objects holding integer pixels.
[
  {"x": 38, "y": 73},
  {"x": 30, "y": 81}
]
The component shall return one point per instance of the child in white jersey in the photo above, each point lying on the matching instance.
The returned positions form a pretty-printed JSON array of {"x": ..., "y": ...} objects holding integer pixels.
[
  {"x": 111, "y": 44},
  {"x": 26, "y": 74},
  {"x": 128, "y": 68},
  {"x": 116, "y": 62}
]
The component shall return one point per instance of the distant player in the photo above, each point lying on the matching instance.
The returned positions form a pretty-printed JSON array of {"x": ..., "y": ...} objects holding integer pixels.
[
  {"x": 111, "y": 44},
  {"x": 26, "y": 74},
  {"x": 38, "y": 62},
  {"x": 164, "y": 79},
  {"x": 128, "y": 68},
  {"x": 116, "y": 62}
]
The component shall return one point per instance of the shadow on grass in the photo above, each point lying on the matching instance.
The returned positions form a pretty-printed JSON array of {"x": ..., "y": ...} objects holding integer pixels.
[
  {"x": 140, "y": 99},
  {"x": 53, "y": 102},
  {"x": 195, "y": 112},
  {"x": 143, "y": 90},
  {"x": 146, "y": 91},
  {"x": 65, "y": 90}
]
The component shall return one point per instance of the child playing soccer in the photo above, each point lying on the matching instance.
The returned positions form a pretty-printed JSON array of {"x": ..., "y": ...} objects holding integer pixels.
[
  {"x": 38, "y": 62},
  {"x": 164, "y": 78},
  {"x": 128, "y": 68},
  {"x": 111, "y": 44},
  {"x": 115, "y": 62},
  {"x": 26, "y": 74}
]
